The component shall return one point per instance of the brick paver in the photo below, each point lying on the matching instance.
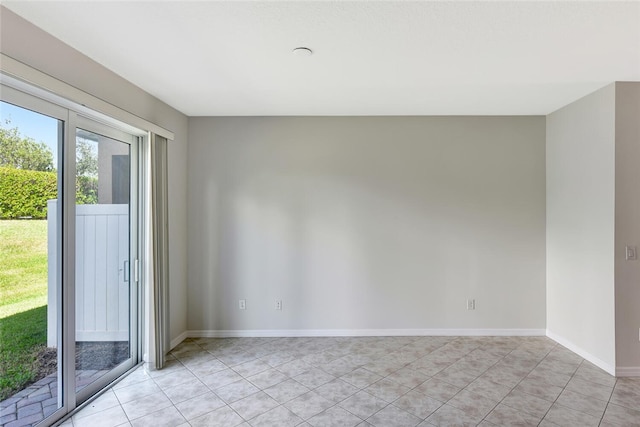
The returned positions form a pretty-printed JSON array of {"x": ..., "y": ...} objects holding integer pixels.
[{"x": 36, "y": 402}]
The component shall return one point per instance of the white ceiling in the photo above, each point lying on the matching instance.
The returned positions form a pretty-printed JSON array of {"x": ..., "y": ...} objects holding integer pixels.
[{"x": 370, "y": 58}]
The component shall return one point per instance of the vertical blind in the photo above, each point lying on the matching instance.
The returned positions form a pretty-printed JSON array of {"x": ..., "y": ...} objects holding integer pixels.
[{"x": 160, "y": 248}]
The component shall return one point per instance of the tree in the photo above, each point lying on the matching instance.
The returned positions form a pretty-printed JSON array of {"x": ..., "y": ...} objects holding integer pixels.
[
  {"x": 22, "y": 152},
  {"x": 86, "y": 158},
  {"x": 86, "y": 172}
]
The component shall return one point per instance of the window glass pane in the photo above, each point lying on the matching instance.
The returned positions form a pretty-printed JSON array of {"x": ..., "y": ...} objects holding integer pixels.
[
  {"x": 30, "y": 354},
  {"x": 103, "y": 267}
]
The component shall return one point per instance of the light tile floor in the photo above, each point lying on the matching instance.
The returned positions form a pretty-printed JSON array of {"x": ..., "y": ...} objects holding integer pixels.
[{"x": 373, "y": 381}]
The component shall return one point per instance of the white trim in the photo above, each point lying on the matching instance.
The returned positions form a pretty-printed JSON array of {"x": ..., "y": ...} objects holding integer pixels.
[
  {"x": 610, "y": 369},
  {"x": 628, "y": 371},
  {"x": 358, "y": 333},
  {"x": 102, "y": 209},
  {"x": 177, "y": 340},
  {"x": 102, "y": 336},
  {"x": 17, "y": 70}
]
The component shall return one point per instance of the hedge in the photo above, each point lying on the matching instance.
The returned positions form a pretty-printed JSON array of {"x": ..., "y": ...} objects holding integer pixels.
[{"x": 24, "y": 193}]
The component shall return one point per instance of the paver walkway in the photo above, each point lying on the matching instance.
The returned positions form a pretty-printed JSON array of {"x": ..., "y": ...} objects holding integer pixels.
[{"x": 39, "y": 400}]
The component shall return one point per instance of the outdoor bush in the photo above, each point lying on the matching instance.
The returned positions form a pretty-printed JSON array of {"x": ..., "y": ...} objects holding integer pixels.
[
  {"x": 24, "y": 193},
  {"x": 86, "y": 190}
]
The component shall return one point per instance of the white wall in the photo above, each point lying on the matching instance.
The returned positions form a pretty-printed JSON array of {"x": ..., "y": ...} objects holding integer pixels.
[
  {"x": 627, "y": 232},
  {"x": 580, "y": 163},
  {"x": 30, "y": 45},
  {"x": 366, "y": 222}
]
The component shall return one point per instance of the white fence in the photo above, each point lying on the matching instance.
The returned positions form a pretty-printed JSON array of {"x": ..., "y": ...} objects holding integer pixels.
[{"x": 102, "y": 254}]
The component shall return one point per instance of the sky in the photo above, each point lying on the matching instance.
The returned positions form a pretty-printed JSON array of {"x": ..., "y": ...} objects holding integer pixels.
[{"x": 34, "y": 125}]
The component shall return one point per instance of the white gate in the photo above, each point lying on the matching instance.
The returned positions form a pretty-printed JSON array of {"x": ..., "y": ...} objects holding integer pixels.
[{"x": 102, "y": 285}]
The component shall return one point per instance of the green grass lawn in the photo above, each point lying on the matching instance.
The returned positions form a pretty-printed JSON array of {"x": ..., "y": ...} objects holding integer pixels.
[
  {"x": 24, "y": 339},
  {"x": 23, "y": 299},
  {"x": 23, "y": 266}
]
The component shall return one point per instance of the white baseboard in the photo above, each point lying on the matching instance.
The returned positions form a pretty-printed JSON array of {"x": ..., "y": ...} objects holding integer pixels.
[
  {"x": 610, "y": 369},
  {"x": 177, "y": 340},
  {"x": 360, "y": 333},
  {"x": 628, "y": 371}
]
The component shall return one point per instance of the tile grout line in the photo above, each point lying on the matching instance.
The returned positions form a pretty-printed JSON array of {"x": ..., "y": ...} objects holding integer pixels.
[
  {"x": 355, "y": 356},
  {"x": 608, "y": 402},
  {"x": 538, "y": 364},
  {"x": 404, "y": 366},
  {"x": 227, "y": 405},
  {"x": 563, "y": 388}
]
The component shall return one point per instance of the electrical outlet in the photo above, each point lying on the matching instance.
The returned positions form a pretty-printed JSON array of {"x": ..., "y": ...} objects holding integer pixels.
[
  {"x": 242, "y": 304},
  {"x": 471, "y": 304},
  {"x": 278, "y": 304}
]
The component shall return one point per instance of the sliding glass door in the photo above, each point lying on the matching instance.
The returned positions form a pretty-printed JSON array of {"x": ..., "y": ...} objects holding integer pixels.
[
  {"x": 30, "y": 244},
  {"x": 86, "y": 255},
  {"x": 105, "y": 254}
]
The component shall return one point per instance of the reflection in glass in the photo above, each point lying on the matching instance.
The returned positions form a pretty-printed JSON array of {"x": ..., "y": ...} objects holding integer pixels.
[{"x": 102, "y": 255}]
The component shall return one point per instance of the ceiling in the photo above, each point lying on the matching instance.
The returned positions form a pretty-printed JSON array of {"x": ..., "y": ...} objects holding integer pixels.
[{"x": 231, "y": 58}]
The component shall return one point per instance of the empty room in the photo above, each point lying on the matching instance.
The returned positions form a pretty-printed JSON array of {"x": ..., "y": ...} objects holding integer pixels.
[{"x": 324, "y": 213}]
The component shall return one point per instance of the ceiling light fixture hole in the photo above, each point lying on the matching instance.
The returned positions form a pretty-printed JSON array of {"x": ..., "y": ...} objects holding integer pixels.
[{"x": 302, "y": 51}]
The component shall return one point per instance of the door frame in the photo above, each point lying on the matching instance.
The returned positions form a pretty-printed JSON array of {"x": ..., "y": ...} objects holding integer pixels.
[
  {"x": 82, "y": 122},
  {"x": 71, "y": 119}
]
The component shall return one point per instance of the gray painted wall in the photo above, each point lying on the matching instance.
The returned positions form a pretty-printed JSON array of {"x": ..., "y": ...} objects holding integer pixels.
[
  {"x": 627, "y": 232},
  {"x": 366, "y": 222},
  {"x": 580, "y": 224},
  {"x": 593, "y": 213},
  {"x": 28, "y": 44}
]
